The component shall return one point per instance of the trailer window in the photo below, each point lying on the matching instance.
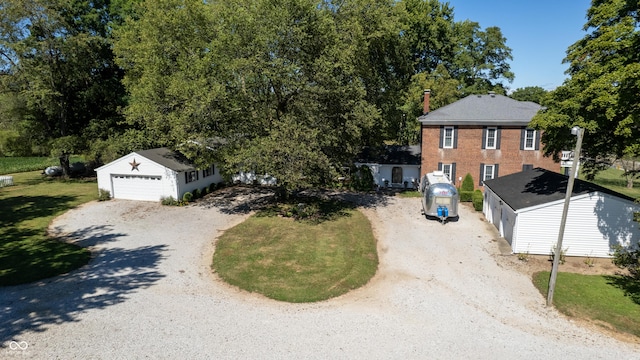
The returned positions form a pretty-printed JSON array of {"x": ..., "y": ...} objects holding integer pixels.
[{"x": 439, "y": 200}]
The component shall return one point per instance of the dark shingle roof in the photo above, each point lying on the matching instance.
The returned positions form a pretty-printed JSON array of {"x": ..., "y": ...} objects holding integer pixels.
[
  {"x": 539, "y": 186},
  {"x": 392, "y": 154},
  {"x": 483, "y": 110},
  {"x": 169, "y": 158}
]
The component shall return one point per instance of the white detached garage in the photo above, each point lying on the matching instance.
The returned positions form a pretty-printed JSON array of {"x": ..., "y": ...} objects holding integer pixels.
[
  {"x": 526, "y": 208},
  {"x": 153, "y": 174}
]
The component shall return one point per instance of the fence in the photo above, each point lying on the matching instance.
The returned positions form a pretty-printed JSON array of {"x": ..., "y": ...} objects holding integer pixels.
[{"x": 6, "y": 181}]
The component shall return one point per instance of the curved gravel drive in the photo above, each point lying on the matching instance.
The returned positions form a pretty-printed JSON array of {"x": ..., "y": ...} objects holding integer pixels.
[{"x": 440, "y": 293}]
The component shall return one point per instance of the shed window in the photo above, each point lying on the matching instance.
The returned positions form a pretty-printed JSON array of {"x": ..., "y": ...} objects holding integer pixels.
[
  {"x": 190, "y": 176},
  {"x": 208, "y": 171}
]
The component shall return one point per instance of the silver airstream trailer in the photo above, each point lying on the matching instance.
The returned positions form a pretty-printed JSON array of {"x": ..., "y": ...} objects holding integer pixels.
[{"x": 439, "y": 196}]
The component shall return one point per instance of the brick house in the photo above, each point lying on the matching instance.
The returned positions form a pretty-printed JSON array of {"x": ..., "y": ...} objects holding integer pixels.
[{"x": 483, "y": 135}]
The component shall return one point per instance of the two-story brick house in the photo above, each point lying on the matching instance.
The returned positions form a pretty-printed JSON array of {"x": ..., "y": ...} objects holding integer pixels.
[{"x": 484, "y": 135}]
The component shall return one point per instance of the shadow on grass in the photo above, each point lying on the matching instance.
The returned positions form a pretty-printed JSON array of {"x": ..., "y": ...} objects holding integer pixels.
[
  {"x": 23, "y": 208},
  {"x": 111, "y": 275},
  {"x": 629, "y": 285},
  {"x": 245, "y": 199}
]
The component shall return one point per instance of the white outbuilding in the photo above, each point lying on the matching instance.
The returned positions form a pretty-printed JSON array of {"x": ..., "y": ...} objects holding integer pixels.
[
  {"x": 526, "y": 208},
  {"x": 154, "y": 174},
  {"x": 393, "y": 165}
]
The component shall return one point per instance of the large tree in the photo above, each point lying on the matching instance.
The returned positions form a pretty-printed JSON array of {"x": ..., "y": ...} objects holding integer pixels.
[
  {"x": 291, "y": 87},
  {"x": 601, "y": 94},
  {"x": 453, "y": 59},
  {"x": 529, "y": 93},
  {"x": 56, "y": 57}
]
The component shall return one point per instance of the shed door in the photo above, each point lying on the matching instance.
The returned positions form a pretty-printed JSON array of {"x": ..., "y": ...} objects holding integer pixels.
[
  {"x": 396, "y": 175},
  {"x": 137, "y": 187},
  {"x": 496, "y": 212}
]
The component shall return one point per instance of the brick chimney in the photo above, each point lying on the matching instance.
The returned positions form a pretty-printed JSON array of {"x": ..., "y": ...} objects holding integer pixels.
[{"x": 427, "y": 96}]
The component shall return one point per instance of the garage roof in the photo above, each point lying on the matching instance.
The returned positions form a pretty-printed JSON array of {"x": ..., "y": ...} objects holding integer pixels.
[
  {"x": 539, "y": 186},
  {"x": 168, "y": 158}
]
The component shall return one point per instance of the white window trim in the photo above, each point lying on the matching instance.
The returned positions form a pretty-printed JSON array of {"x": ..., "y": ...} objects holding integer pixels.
[
  {"x": 493, "y": 169},
  {"x": 444, "y": 137},
  {"x": 448, "y": 173},
  {"x": 533, "y": 139},
  {"x": 495, "y": 138}
]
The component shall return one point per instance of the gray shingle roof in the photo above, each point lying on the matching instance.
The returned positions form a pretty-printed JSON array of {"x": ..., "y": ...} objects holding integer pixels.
[
  {"x": 483, "y": 110},
  {"x": 539, "y": 186},
  {"x": 392, "y": 154},
  {"x": 169, "y": 158}
]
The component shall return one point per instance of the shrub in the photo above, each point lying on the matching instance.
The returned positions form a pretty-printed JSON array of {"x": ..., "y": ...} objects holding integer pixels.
[
  {"x": 467, "y": 183},
  {"x": 187, "y": 197},
  {"x": 466, "y": 189},
  {"x": 212, "y": 187},
  {"x": 629, "y": 259},
  {"x": 477, "y": 200},
  {"x": 169, "y": 201},
  {"x": 104, "y": 195},
  {"x": 196, "y": 194},
  {"x": 563, "y": 254},
  {"x": 204, "y": 191},
  {"x": 221, "y": 184}
]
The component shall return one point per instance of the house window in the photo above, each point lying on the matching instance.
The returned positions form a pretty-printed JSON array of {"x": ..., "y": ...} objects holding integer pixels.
[
  {"x": 530, "y": 139},
  {"x": 490, "y": 138},
  {"x": 526, "y": 167},
  {"x": 448, "y": 137},
  {"x": 396, "y": 175},
  {"x": 449, "y": 170},
  {"x": 488, "y": 172},
  {"x": 190, "y": 176},
  {"x": 446, "y": 169},
  {"x": 208, "y": 171}
]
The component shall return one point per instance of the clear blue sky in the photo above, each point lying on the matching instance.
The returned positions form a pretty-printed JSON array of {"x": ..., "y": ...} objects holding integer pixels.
[{"x": 538, "y": 33}]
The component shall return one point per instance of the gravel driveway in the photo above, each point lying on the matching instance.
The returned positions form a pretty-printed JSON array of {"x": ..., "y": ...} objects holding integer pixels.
[{"x": 440, "y": 293}]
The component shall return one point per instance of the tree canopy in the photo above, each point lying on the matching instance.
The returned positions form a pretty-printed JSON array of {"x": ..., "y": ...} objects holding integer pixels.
[
  {"x": 293, "y": 88},
  {"x": 529, "y": 93},
  {"x": 601, "y": 94}
]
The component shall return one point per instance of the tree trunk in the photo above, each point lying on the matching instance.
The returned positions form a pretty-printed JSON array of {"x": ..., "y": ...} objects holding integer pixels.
[{"x": 64, "y": 164}]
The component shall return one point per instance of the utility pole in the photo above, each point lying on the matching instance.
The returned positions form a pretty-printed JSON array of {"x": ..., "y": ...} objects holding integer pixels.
[{"x": 556, "y": 256}]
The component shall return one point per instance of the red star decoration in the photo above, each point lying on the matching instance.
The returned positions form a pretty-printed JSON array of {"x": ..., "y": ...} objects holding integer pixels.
[{"x": 134, "y": 165}]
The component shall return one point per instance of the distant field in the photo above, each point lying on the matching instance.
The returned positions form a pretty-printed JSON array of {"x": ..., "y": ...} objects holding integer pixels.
[{"x": 11, "y": 165}]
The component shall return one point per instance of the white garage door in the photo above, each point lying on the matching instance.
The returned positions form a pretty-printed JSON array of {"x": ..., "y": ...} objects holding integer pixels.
[{"x": 137, "y": 187}]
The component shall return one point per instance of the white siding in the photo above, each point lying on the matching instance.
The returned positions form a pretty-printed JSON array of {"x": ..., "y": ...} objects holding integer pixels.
[
  {"x": 146, "y": 168},
  {"x": 202, "y": 182},
  {"x": 595, "y": 223},
  {"x": 124, "y": 182},
  {"x": 382, "y": 172}
]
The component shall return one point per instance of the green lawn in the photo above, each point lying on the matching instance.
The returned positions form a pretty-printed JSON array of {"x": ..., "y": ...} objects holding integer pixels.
[
  {"x": 11, "y": 165},
  {"x": 296, "y": 260},
  {"x": 26, "y": 253},
  {"x": 602, "y": 298}
]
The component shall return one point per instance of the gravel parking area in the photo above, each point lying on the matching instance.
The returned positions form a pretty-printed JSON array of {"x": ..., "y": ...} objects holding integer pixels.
[{"x": 441, "y": 292}]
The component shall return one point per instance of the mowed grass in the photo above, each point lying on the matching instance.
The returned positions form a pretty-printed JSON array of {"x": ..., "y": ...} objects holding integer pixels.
[
  {"x": 26, "y": 209},
  {"x": 11, "y": 165},
  {"x": 604, "y": 299},
  {"x": 613, "y": 179},
  {"x": 296, "y": 260}
]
